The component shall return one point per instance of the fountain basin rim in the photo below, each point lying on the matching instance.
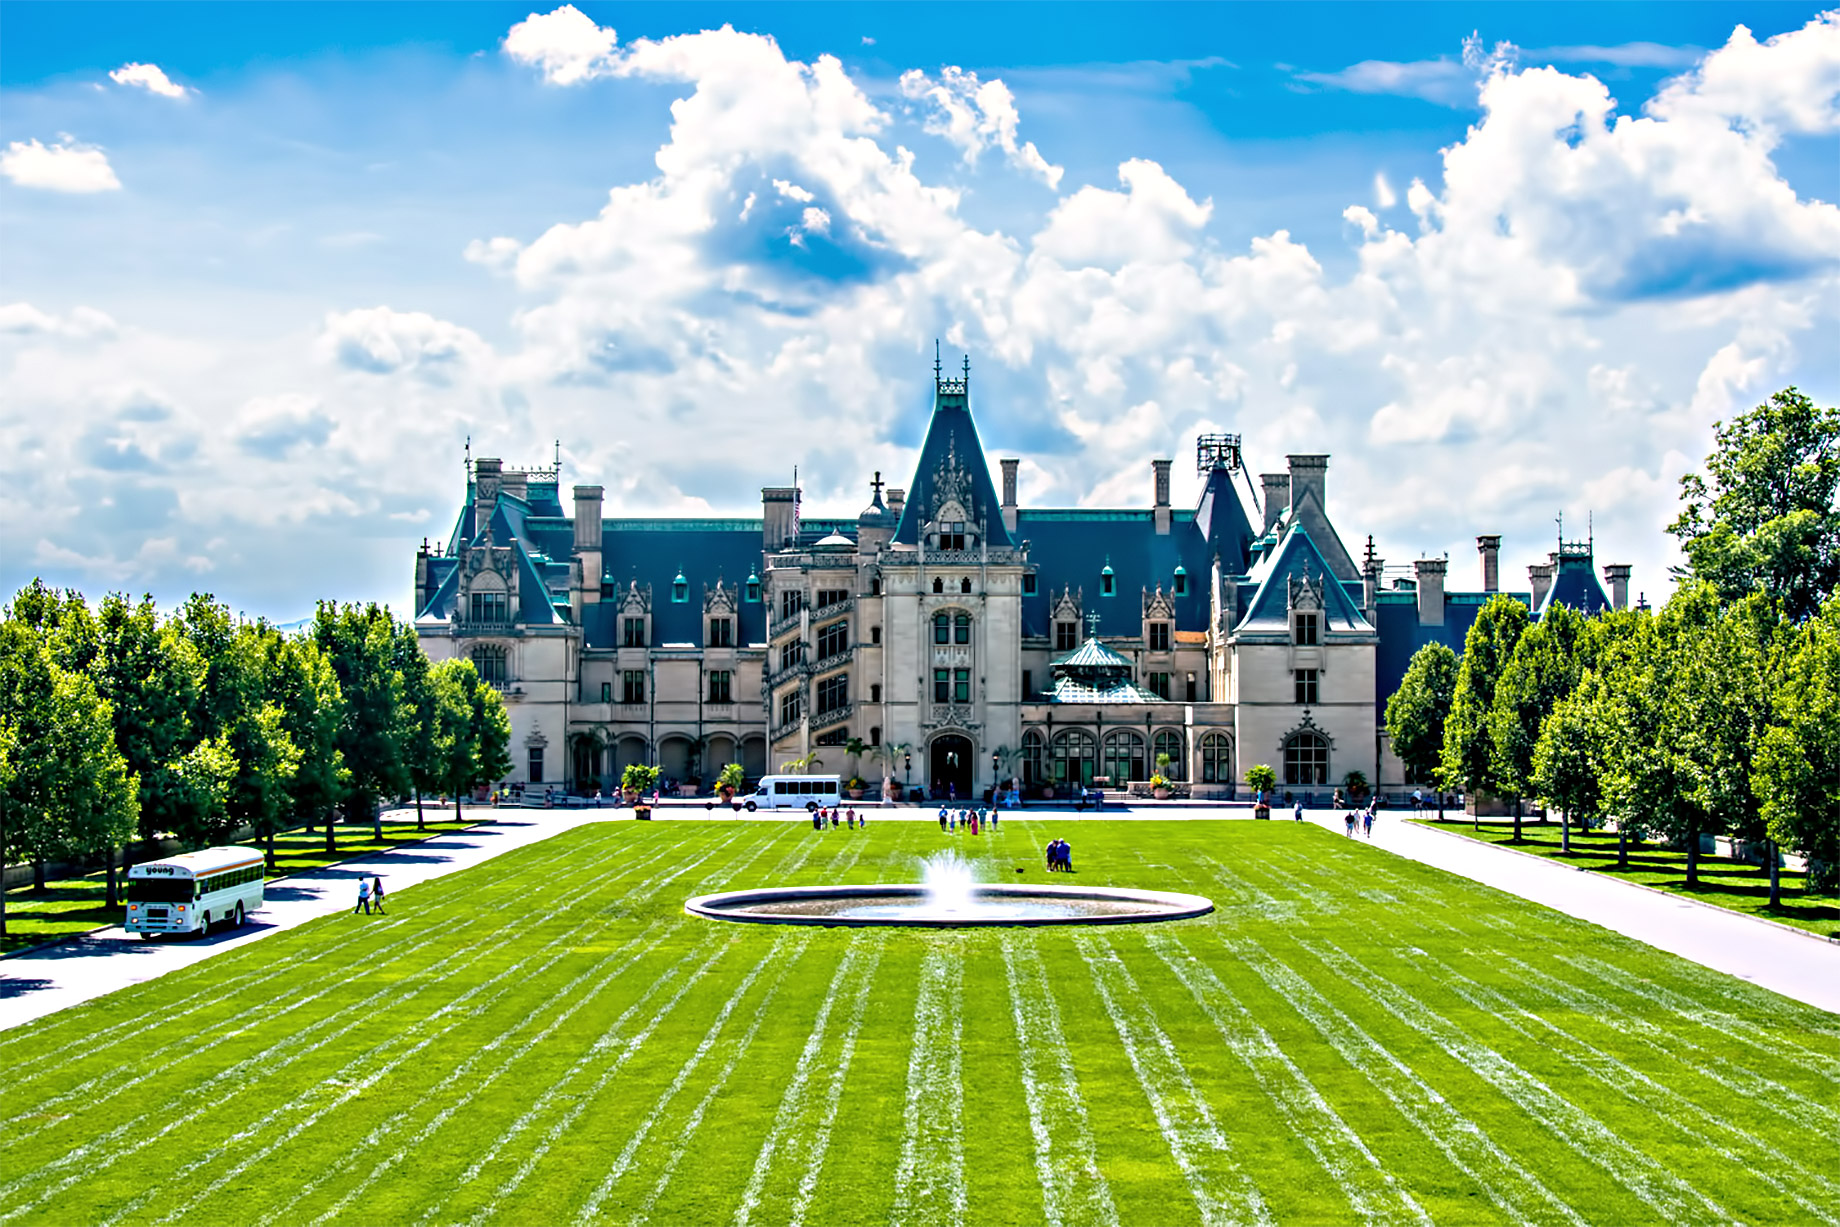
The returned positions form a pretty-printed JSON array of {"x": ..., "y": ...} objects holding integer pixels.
[{"x": 1161, "y": 905}]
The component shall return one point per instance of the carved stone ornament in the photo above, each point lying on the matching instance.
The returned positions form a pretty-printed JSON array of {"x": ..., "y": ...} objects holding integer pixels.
[
  {"x": 636, "y": 600},
  {"x": 1067, "y": 605},
  {"x": 951, "y": 485},
  {"x": 718, "y": 599},
  {"x": 1158, "y": 605}
]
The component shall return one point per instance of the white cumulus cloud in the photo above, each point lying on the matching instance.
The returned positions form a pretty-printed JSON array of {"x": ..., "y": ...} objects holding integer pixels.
[
  {"x": 149, "y": 77},
  {"x": 977, "y": 115},
  {"x": 564, "y": 43},
  {"x": 61, "y": 167}
]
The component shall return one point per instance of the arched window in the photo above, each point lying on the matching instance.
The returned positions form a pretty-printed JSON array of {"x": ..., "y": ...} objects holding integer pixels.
[
  {"x": 1108, "y": 582},
  {"x": 1181, "y": 584},
  {"x": 680, "y": 589},
  {"x": 1216, "y": 759},
  {"x": 1124, "y": 756},
  {"x": 1030, "y": 766},
  {"x": 489, "y": 662},
  {"x": 961, "y": 629},
  {"x": 964, "y": 585},
  {"x": 1306, "y": 760},
  {"x": 942, "y": 628},
  {"x": 753, "y": 588},
  {"x": 939, "y": 585},
  {"x": 1073, "y": 757},
  {"x": 1170, "y": 742},
  {"x": 875, "y": 585}
]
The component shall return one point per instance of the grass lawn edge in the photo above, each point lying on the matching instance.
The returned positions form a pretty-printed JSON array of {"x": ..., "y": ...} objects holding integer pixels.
[
  {"x": 61, "y": 938},
  {"x": 1431, "y": 824}
]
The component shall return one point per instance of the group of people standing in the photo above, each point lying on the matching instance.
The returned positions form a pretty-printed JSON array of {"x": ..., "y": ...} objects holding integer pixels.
[
  {"x": 831, "y": 816},
  {"x": 972, "y": 820},
  {"x": 1060, "y": 856}
]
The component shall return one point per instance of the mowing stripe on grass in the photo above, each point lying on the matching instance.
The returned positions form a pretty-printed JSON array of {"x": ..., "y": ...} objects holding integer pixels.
[
  {"x": 1764, "y": 1092},
  {"x": 1660, "y": 1190},
  {"x": 1066, "y": 1162},
  {"x": 1515, "y": 1191},
  {"x": 1743, "y": 1030},
  {"x": 820, "y": 1139},
  {"x": 789, "y": 1124},
  {"x": 623, "y": 1163},
  {"x": 1370, "y": 1189},
  {"x": 1768, "y": 1164},
  {"x": 1222, "y": 1191},
  {"x": 929, "y": 1184}
]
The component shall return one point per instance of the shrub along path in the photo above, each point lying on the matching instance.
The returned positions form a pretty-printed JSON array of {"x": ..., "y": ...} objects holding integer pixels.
[{"x": 548, "y": 1038}]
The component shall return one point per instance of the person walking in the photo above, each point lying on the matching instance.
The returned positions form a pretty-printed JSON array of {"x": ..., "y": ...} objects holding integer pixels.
[
  {"x": 377, "y": 895},
  {"x": 1367, "y": 821},
  {"x": 364, "y": 897},
  {"x": 1348, "y": 823},
  {"x": 1297, "y": 814}
]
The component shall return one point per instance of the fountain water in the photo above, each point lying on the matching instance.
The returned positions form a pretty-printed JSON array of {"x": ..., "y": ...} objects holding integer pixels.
[{"x": 949, "y": 897}]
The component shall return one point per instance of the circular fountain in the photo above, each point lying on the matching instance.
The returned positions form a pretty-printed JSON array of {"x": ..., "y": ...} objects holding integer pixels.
[{"x": 950, "y": 897}]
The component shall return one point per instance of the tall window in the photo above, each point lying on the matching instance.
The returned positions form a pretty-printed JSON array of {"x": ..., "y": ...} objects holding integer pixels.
[
  {"x": 1181, "y": 584},
  {"x": 833, "y": 639},
  {"x": 942, "y": 628},
  {"x": 1158, "y": 685},
  {"x": 789, "y": 707},
  {"x": 790, "y": 602},
  {"x": 961, "y": 685},
  {"x": 1306, "y": 630},
  {"x": 489, "y": 663},
  {"x": 964, "y": 584},
  {"x": 606, "y": 692},
  {"x": 1216, "y": 759},
  {"x": 536, "y": 764},
  {"x": 1073, "y": 757},
  {"x": 942, "y": 685},
  {"x": 1170, "y": 742},
  {"x": 875, "y": 634},
  {"x": 632, "y": 633},
  {"x": 751, "y": 590},
  {"x": 833, "y": 693},
  {"x": 875, "y": 585},
  {"x": 1159, "y": 636},
  {"x": 789, "y": 653},
  {"x": 490, "y": 607},
  {"x": 1306, "y": 760},
  {"x": 1032, "y": 748},
  {"x": 875, "y": 734},
  {"x": 961, "y": 629},
  {"x": 875, "y": 692},
  {"x": 1028, "y": 684},
  {"x": 952, "y": 535},
  {"x": 1108, "y": 582},
  {"x": 632, "y": 686},
  {"x": 720, "y": 688},
  {"x": 721, "y": 632},
  {"x": 939, "y": 585},
  {"x": 832, "y": 596},
  {"x": 1028, "y": 584},
  {"x": 1124, "y": 756},
  {"x": 1306, "y": 686},
  {"x": 1066, "y": 636},
  {"x": 1191, "y": 688}
]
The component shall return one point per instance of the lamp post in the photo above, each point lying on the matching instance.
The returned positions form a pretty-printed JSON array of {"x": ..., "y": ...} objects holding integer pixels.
[
  {"x": 996, "y": 765},
  {"x": 910, "y": 774}
]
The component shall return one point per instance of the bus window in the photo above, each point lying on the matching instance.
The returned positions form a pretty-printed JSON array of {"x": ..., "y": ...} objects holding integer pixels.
[{"x": 782, "y": 788}]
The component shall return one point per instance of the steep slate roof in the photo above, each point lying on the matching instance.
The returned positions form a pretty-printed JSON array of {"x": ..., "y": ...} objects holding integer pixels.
[
  {"x": 952, "y": 435},
  {"x": 1297, "y": 555},
  {"x": 1575, "y": 585},
  {"x": 1071, "y": 548},
  {"x": 1221, "y": 519},
  {"x": 654, "y": 551}
]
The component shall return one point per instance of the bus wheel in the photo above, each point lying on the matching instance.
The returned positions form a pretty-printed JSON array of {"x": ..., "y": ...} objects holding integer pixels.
[
  {"x": 811, "y": 807},
  {"x": 751, "y": 807},
  {"x": 239, "y": 917},
  {"x": 204, "y": 928}
]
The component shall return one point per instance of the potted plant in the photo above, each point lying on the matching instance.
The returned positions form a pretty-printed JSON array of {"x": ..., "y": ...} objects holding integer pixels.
[
  {"x": 1261, "y": 779},
  {"x": 732, "y": 780},
  {"x": 855, "y": 788},
  {"x": 1159, "y": 782},
  {"x": 1356, "y": 784},
  {"x": 638, "y": 779}
]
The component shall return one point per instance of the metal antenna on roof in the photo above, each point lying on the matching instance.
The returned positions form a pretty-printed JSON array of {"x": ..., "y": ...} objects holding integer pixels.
[
  {"x": 558, "y": 459},
  {"x": 967, "y": 370},
  {"x": 936, "y": 368}
]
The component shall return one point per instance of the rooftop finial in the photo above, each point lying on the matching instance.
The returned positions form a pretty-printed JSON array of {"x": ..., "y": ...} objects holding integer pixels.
[
  {"x": 1092, "y": 625},
  {"x": 936, "y": 368},
  {"x": 876, "y": 485},
  {"x": 967, "y": 370}
]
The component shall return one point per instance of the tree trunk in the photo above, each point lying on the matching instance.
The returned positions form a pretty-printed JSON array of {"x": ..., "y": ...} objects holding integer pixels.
[
  {"x": 1692, "y": 855},
  {"x": 419, "y": 824},
  {"x": 1775, "y": 879},
  {"x": 271, "y": 850},
  {"x": 1440, "y": 805},
  {"x": 1517, "y": 820},
  {"x": 377, "y": 821},
  {"x": 38, "y": 876},
  {"x": 457, "y": 795},
  {"x": 1622, "y": 846},
  {"x": 1565, "y": 834},
  {"x": 332, "y": 820},
  {"x": 113, "y": 897}
]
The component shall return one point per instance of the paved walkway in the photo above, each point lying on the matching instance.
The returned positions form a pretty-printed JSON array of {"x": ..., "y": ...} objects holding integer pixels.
[
  {"x": 52, "y": 978},
  {"x": 1772, "y": 956},
  {"x": 1791, "y": 963}
]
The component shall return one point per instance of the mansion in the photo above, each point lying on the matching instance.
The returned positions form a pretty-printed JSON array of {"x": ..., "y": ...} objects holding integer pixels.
[{"x": 961, "y": 637}]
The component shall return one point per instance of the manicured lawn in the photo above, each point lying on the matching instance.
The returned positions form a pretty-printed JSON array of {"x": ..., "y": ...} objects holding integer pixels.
[
  {"x": 1727, "y": 883},
  {"x": 549, "y": 1039},
  {"x": 77, "y": 905}
]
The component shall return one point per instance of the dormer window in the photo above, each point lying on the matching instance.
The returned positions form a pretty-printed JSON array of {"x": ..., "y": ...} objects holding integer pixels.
[
  {"x": 680, "y": 589},
  {"x": 752, "y": 588},
  {"x": 951, "y": 535},
  {"x": 1306, "y": 630},
  {"x": 721, "y": 632},
  {"x": 1159, "y": 638},
  {"x": 1181, "y": 583},
  {"x": 1066, "y": 636},
  {"x": 1108, "y": 582}
]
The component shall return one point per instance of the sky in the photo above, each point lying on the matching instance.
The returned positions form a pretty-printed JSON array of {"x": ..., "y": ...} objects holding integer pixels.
[{"x": 265, "y": 270}]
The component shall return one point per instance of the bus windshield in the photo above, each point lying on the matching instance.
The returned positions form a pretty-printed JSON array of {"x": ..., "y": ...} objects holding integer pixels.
[{"x": 159, "y": 890}]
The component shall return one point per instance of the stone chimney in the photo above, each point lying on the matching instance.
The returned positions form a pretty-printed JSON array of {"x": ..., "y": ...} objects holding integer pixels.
[
  {"x": 1490, "y": 549},
  {"x": 1370, "y": 580},
  {"x": 517, "y": 483},
  {"x": 1009, "y": 493},
  {"x": 1277, "y": 496},
  {"x": 897, "y": 499},
  {"x": 421, "y": 578},
  {"x": 488, "y": 477},
  {"x": 1309, "y": 476},
  {"x": 1161, "y": 507},
  {"x": 779, "y": 514},
  {"x": 1430, "y": 590},
  {"x": 1541, "y": 575},
  {"x": 588, "y": 543},
  {"x": 1618, "y": 575}
]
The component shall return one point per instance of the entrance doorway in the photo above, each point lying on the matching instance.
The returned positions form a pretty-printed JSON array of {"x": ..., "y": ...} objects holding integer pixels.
[{"x": 951, "y": 766}]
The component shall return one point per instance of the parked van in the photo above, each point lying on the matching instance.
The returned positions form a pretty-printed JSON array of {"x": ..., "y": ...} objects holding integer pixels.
[{"x": 806, "y": 792}]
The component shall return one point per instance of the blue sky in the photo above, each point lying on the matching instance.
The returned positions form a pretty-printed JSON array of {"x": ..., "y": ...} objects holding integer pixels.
[{"x": 254, "y": 302}]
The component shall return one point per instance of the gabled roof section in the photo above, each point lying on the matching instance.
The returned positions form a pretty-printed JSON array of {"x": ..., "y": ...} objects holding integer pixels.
[
  {"x": 1093, "y": 655},
  {"x": 1575, "y": 584},
  {"x": 1071, "y": 690},
  {"x": 1298, "y": 558},
  {"x": 1222, "y": 520},
  {"x": 952, "y": 470}
]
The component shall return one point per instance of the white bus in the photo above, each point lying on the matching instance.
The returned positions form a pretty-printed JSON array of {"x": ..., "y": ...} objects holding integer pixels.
[
  {"x": 806, "y": 792},
  {"x": 191, "y": 892}
]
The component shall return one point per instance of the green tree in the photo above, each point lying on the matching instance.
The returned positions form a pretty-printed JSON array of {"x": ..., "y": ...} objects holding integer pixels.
[
  {"x": 472, "y": 731},
  {"x": 1568, "y": 760},
  {"x": 1763, "y": 517},
  {"x": 1417, "y": 711},
  {"x": 1469, "y": 757},
  {"x": 1796, "y": 777},
  {"x": 375, "y": 718},
  {"x": 302, "y": 682},
  {"x": 491, "y": 735},
  {"x": 1542, "y": 669}
]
